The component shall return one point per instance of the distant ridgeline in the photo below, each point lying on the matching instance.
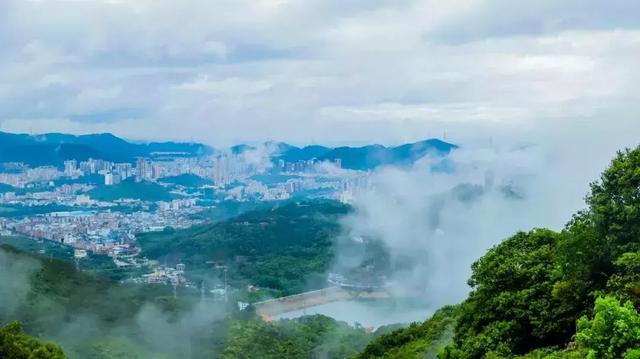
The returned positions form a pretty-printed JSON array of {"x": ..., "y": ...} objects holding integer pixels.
[
  {"x": 357, "y": 158},
  {"x": 52, "y": 149}
]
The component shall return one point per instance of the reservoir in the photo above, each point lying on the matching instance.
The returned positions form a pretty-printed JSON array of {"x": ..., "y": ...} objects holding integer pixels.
[{"x": 367, "y": 312}]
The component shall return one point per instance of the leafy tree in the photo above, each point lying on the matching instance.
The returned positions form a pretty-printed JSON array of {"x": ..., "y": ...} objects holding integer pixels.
[
  {"x": 287, "y": 249},
  {"x": 625, "y": 283},
  {"x": 582, "y": 269},
  {"x": 600, "y": 235},
  {"x": 615, "y": 204},
  {"x": 511, "y": 309},
  {"x": 14, "y": 344},
  {"x": 614, "y": 331},
  {"x": 416, "y": 340},
  {"x": 529, "y": 291},
  {"x": 312, "y": 336}
]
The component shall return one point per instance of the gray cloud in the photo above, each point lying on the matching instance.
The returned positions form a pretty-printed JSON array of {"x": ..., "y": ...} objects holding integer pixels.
[
  {"x": 435, "y": 225},
  {"x": 337, "y": 72},
  {"x": 499, "y": 18}
]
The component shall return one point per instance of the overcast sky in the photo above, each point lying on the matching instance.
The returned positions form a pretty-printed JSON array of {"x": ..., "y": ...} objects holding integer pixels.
[{"x": 332, "y": 72}]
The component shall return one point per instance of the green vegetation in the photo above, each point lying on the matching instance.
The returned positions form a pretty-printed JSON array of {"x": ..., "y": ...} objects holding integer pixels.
[
  {"x": 614, "y": 331},
  {"x": 287, "y": 249},
  {"x": 539, "y": 294},
  {"x": 130, "y": 189},
  {"x": 91, "y": 317},
  {"x": 97, "y": 264},
  {"x": 54, "y": 148},
  {"x": 14, "y": 344},
  {"x": 533, "y": 295},
  {"x": 16, "y": 211},
  {"x": 228, "y": 209},
  {"x": 272, "y": 179},
  {"x": 186, "y": 180},
  {"x": 308, "y": 337},
  {"x": 512, "y": 303},
  {"x": 415, "y": 341},
  {"x": 4, "y": 188},
  {"x": 94, "y": 318}
]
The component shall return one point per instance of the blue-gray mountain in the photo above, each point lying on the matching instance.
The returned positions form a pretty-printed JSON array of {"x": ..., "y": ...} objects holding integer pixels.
[
  {"x": 54, "y": 148},
  {"x": 361, "y": 158}
]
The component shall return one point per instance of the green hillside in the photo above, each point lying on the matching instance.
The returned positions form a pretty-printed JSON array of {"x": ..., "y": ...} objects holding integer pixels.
[
  {"x": 282, "y": 248},
  {"x": 186, "y": 180},
  {"x": 14, "y": 344},
  {"x": 55, "y": 148},
  {"x": 307, "y": 337},
  {"x": 415, "y": 341},
  {"x": 90, "y": 317},
  {"x": 4, "y": 188},
  {"x": 130, "y": 189},
  {"x": 366, "y": 157},
  {"x": 533, "y": 295}
]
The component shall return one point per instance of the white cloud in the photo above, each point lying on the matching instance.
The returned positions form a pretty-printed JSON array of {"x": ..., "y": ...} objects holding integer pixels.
[{"x": 359, "y": 71}]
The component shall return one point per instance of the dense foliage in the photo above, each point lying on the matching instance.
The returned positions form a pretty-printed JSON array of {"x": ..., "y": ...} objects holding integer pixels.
[
  {"x": 92, "y": 317},
  {"x": 538, "y": 294},
  {"x": 533, "y": 295},
  {"x": 308, "y": 337},
  {"x": 20, "y": 211},
  {"x": 512, "y": 304},
  {"x": 14, "y": 344},
  {"x": 416, "y": 340},
  {"x": 286, "y": 249},
  {"x": 186, "y": 180},
  {"x": 614, "y": 331},
  {"x": 130, "y": 189},
  {"x": 54, "y": 148},
  {"x": 4, "y": 188}
]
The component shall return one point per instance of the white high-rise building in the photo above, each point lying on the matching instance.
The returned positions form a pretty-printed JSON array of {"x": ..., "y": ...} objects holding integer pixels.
[
  {"x": 70, "y": 168},
  {"x": 108, "y": 179}
]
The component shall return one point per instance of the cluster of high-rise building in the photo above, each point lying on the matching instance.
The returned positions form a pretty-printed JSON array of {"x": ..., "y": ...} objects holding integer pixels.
[
  {"x": 306, "y": 166},
  {"x": 222, "y": 169},
  {"x": 26, "y": 176},
  {"x": 106, "y": 227}
]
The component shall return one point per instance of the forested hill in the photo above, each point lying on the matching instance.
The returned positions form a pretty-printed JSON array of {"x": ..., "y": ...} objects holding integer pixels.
[
  {"x": 77, "y": 310},
  {"x": 94, "y": 318},
  {"x": 54, "y": 148},
  {"x": 543, "y": 294},
  {"x": 14, "y": 343},
  {"x": 358, "y": 158},
  {"x": 283, "y": 247}
]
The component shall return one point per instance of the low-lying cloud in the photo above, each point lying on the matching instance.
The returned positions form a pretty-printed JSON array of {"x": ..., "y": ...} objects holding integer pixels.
[{"x": 435, "y": 224}]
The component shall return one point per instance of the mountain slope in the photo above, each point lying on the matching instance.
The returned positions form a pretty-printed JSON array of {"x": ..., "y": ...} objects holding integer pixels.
[
  {"x": 15, "y": 344},
  {"x": 54, "y": 148},
  {"x": 553, "y": 295},
  {"x": 368, "y": 157},
  {"x": 130, "y": 189},
  {"x": 280, "y": 247},
  {"x": 186, "y": 180}
]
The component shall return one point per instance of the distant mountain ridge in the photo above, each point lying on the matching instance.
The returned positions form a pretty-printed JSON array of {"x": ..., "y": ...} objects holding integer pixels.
[
  {"x": 368, "y": 157},
  {"x": 54, "y": 148}
]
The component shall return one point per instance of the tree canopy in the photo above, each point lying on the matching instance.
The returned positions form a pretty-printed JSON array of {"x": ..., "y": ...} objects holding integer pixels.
[
  {"x": 533, "y": 295},
  {"x": 14, "y": 344}
]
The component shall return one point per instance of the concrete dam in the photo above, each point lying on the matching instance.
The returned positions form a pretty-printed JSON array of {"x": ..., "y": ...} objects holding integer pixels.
[{"x": 267, "y": 309}]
